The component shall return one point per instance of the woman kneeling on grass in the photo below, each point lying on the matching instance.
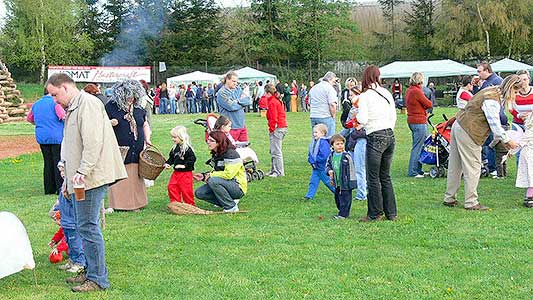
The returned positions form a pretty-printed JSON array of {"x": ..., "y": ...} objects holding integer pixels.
[{"x": 226, "y": 184}]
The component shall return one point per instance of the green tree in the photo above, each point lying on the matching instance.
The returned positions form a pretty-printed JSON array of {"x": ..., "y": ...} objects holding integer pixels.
[
  {"x": 44, "y": 32},
  {"x": 420, "y": 27},
  {"x": 389, "y": 9}
]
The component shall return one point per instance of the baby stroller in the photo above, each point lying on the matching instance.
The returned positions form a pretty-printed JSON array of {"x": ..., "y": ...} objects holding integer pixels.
[
  {"x": 437, "y": 149},
  {"x": 248, "y": 155}
]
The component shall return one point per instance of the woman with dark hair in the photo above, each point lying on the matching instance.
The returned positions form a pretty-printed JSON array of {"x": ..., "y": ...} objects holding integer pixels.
[
  {"x": 377, "y": 113},
  {"x": 226, "y": 184},
  {"x": 131, "y": 130}
]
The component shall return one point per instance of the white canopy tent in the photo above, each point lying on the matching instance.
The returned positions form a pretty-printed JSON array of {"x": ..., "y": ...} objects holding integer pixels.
[
  {"x": 196, "y": 76},
  {"x": 250, "y": 75},
  {"x": 430, "y": 69},
  {"x": 509, "y": 65}
]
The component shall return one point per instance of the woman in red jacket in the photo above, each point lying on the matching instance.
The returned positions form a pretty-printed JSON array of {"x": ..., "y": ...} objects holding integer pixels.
[
  {"x": 277, "y": 126},
  {"x": 417, "y": 104}
]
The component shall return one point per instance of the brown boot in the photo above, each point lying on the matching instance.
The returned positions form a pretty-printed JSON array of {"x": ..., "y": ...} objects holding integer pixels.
[
  {"x": 80, "y": 278},
  {"x": 87, "y": 286}
]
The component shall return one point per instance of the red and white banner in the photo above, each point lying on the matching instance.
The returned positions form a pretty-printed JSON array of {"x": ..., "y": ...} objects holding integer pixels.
[{"x": 102, "y": 74}]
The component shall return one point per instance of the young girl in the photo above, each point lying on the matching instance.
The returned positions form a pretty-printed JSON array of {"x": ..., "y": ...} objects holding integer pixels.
[
  {"x": 182, "y": 157},
  {"x": 224, "y": 124},
  {"x": 524, "y": 176},
  {"x": 277, "y": 127},
  {"x": 319, "y": 151}
]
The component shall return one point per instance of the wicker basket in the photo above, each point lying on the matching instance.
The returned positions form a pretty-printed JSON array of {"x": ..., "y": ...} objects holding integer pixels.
[{"x": 151, "y": 163}]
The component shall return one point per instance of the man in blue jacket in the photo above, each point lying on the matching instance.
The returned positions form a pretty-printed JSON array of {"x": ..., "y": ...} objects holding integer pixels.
[{"x": 231, "y": 102}]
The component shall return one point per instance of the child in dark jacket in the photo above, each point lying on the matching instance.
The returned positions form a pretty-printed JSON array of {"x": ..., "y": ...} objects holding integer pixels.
[
  {"x": 319, "y": 151},
  {"x": 180, "y": 186},
  {"x": 341, "y": 171}
]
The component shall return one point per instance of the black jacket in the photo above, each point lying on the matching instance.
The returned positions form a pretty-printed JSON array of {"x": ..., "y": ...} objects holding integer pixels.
[{"x": 188, "y": 159}]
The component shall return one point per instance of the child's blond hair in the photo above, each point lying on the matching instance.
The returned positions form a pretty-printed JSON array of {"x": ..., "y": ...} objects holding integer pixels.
[
  {"x": 321, "y": 128},
  {"x": 181, "y": 132}
]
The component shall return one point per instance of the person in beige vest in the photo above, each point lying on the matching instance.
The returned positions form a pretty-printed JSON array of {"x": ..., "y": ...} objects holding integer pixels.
[
  {"x": 92, "y": 161},
  {"x": 470, "y": 130}
]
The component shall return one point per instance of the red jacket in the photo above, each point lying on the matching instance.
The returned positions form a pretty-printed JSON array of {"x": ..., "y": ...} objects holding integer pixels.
[
  {"x": 417, "y": 104},
  {"x": 276, "y": 116}
]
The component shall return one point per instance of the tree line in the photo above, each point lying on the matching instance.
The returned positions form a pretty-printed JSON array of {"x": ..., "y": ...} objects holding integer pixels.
[{"x": 294, "y": 38}]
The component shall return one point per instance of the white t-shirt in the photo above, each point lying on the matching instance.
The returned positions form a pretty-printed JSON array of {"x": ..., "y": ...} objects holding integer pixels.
[
  {"x": 375, "y": 113},
  {"x": 321, "y": 96}
]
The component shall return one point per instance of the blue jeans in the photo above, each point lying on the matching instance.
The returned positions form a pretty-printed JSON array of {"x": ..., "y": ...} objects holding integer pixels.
[
  {"x": 514, "y": 127},
  {"x": 418, "y": 134},
  {"x": 220, "y": 192},
  {"x": 163, "y": 104},
  {"x": 379, "y": 152},
  {"x": 88, "y": 221},
  {"x": 359, "y": 160},
  {"x": 314, "y": 181},
  {"x": 488, "y": 153},
  {"x": 191, "y": 105},
  {"x": 172, "y": 105},
  {"x": 72, "y": 235},
  {"x": 329, "y": 122}
]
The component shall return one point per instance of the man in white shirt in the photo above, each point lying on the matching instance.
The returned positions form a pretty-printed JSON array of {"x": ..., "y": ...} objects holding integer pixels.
[{"x": 323, "y": 102}]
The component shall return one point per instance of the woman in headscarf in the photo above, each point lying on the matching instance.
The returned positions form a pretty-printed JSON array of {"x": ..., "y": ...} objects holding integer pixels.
[{"x": 128, "y": 119}]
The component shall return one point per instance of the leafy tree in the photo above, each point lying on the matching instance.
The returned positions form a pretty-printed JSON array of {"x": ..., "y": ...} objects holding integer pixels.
[
  {"x": 39, "y": 33},
  {"x": 94, "y": 25},
  {"x": 389, "y": 11},
  {"x": 420, "y": 27}
]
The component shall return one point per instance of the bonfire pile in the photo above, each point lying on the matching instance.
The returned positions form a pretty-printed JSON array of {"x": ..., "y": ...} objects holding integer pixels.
[{"x": 12, "y": 107}]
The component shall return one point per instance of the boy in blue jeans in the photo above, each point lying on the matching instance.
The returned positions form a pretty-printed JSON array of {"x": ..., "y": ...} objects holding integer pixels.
[
  {"x": 319, "y": 151},
  {"x": 341, "y": 172}
]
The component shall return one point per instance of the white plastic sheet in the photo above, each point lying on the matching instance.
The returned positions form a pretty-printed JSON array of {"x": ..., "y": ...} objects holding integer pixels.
[{"x": 15, "y": 248}]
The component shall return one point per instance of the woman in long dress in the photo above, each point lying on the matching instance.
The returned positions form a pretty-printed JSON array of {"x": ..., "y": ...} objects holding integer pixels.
[{"x": 132, "y": 130}]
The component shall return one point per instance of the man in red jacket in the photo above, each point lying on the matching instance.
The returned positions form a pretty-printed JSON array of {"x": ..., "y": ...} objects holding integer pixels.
[{"x": 277, "y": 126}]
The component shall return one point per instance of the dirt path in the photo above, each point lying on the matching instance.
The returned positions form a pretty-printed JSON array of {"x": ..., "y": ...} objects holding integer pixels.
[{"x": 13, "y": 146}]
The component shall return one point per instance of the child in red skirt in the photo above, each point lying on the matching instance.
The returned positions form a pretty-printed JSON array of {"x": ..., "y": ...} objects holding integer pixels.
[{"x": 182, "y": 158}]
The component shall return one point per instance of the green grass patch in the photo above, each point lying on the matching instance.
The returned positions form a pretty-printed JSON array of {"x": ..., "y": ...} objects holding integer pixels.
[
  {"x": 285, "y": 247},
  {"x": 31, "y": 92}
]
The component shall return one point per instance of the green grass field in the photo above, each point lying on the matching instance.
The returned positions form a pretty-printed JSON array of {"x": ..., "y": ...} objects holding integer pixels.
[
  {"x": 285, "y": 247},
  {"x": 30, "y": 91}
]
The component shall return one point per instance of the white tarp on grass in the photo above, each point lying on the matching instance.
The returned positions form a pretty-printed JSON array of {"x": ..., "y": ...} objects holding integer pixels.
[
  {"x": 250, "y": 75},
  {"x": 430, "y": 69},
  {"x": 196, "y": 76},
  {"x": 15, "y": 248},
  {"x": 509, "y": 65}
]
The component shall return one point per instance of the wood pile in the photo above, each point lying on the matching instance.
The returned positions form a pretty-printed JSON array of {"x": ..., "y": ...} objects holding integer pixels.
[{"x": 12, "y": 107}]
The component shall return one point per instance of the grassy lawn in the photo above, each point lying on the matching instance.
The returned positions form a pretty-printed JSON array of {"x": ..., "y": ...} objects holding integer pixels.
[
  {"x": 285, "y": 247},
  {"x": 30, "y": 91}
]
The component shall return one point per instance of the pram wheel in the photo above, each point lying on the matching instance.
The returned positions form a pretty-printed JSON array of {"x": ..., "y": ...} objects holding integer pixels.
[
  {"x": 248, "y": 177},
  {"x": 433, "y": 172},
  {"x": 441, "y": 171},
  {"x": 261, "y": 174},
  {"x": 255, "y": 175}
]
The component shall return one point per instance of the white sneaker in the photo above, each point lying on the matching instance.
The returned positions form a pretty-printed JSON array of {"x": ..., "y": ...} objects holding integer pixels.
[
  {"x": 75, "y": 268},
  {"x": 65, "y": 266},
  {"x": 494, "y": 173},
  {"x": 109, "y": 210},
  {"x": 419, "y": 176},
  {"x": 273, "y": 175},
  {"x": 148, "y": 183},
  {"x": 233, "y": 209},
  {"x": 237, "y": 201}
]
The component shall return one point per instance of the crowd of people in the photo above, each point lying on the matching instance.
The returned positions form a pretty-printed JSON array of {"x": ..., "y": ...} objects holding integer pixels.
[{"x": 100, "y": 139}]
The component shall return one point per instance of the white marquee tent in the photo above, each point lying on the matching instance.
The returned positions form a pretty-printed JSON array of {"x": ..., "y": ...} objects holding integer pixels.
[
  {"x": 430, "y": 69},
  {"x": 196, "y": 76},
  {"x": 509, "y": 65},
  {"x": 250, "y": 75}
]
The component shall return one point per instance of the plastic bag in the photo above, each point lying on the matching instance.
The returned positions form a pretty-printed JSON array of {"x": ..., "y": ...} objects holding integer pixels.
[{"x": 15, "y": 250}]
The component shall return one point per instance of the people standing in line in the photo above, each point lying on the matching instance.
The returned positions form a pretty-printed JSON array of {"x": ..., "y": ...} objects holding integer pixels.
[
  {"x": 317, "y": 156},
  {"x": 287, "y": 97},
  {"x": 182, "y": 158},
  {"x": 131, "y": 130},
  {"x": 93, "y": 161},
  {"x": 48, "y": 118},
  {"x": 182, "y": 100},
  {"x": 210, "y": 97},
  {"x": 341, "y": 172},
  {"x": 164, "y": 103},
  {"x": 226, "y": 184},
  {"x": 294, "y": 96},
  {"x": 469, "y": 132},
  {"x": 464, "y": 94},
  {"x": 199, "y": 99},
  {"x": 417, "y": 119},
  {"x": 303, "y": 98},
  {"x": 323, "y": 102},
  {"x": 377, "y": 114},
  {"x": 277, "y": 128},
  {"x": 191, "y": 103},
  {"x": 231, "y": 102}
]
